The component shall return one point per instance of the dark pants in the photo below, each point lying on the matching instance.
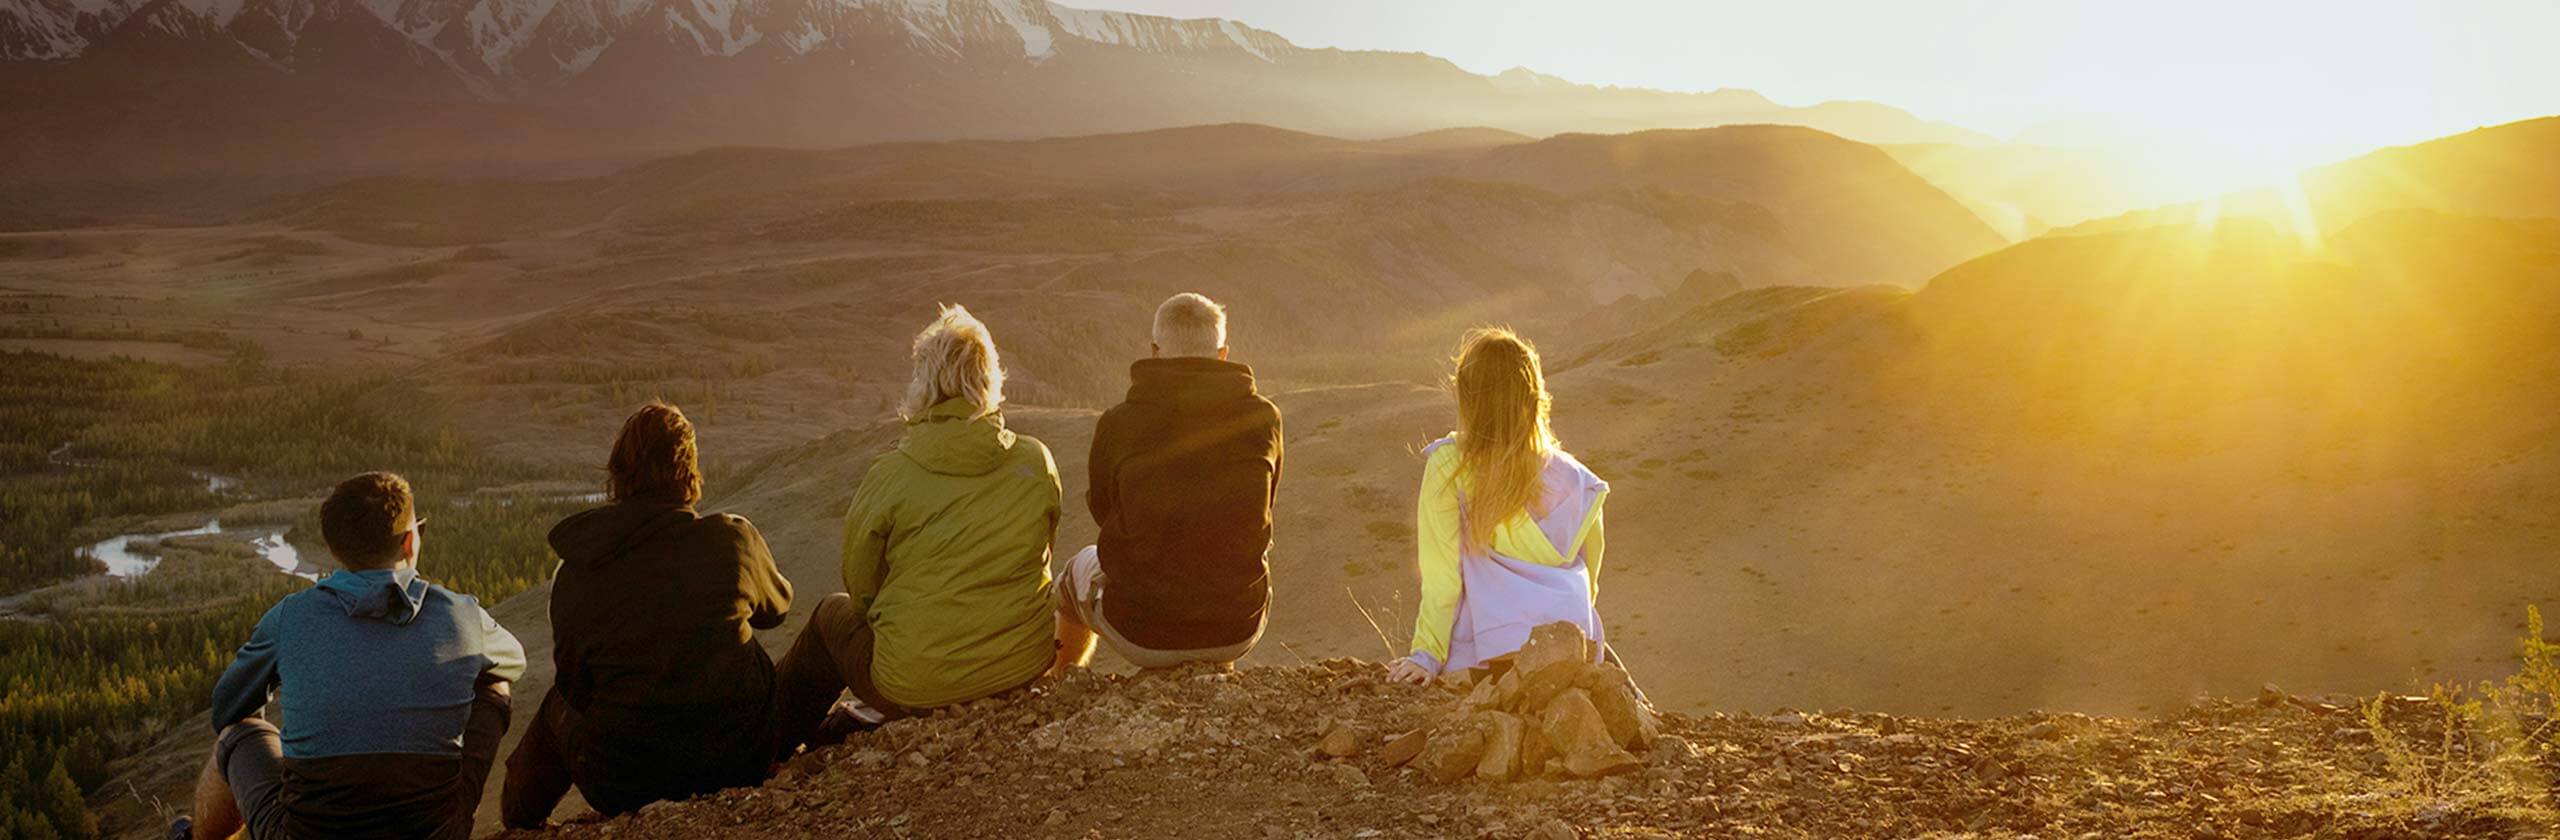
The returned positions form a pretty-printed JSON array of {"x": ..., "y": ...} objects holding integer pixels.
[
  {"x": 369, "y": 795},
  {"x": 538, "y": 771},
  {"x": 831, "y": 656},
  {"x": 623, "y": 760},
  {"x": 251, "y": 755}
]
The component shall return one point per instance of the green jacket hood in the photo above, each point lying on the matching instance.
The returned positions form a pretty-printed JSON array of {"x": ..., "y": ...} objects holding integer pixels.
[{"x": 945, "y": 439}]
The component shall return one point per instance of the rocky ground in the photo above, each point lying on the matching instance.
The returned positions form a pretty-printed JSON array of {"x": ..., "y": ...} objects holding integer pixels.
[{"x": 1250, "y": 753}]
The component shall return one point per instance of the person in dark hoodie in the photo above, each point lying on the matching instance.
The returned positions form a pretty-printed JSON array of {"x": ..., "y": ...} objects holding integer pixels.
[
  {"x": 662, "y": 692},
  {"x": 394, "y": 692},
  {"x": 946, "y": 556},
  {"x": 1183, "y": 475}
]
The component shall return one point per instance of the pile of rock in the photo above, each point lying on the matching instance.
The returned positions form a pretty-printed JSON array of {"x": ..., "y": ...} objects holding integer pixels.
[{"x": 1556, "y": 712}]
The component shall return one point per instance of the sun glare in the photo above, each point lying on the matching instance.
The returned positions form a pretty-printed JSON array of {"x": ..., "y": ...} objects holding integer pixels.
[{"x": 2297, "y": 209}]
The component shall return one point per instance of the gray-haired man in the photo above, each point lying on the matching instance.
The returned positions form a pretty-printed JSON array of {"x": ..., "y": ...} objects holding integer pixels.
[{"x": 1182, "y": 478}]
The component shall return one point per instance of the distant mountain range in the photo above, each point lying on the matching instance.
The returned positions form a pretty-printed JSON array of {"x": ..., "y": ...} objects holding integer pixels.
[
  {"x": 110, "y": 89},
  {"x": 1769, "y": 204}
]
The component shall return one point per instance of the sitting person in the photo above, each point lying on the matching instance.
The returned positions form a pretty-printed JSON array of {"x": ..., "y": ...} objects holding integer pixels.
[
  {"x": 1183, "y": 474},
  {"x": 1508, "y": 524},
  {"x": 946, "y": 556},
  {"x": 662, "y": 691},
  {"x": 394, "y": 693}
]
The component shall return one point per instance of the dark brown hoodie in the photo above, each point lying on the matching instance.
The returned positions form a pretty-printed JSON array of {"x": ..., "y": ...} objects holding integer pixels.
[
  {"x": 653, "y": 616},
  {"x": 1182, "y": 478}
]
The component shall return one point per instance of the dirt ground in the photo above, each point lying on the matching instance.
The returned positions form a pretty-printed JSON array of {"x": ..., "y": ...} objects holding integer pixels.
[{"x": 1209, "y": 753}]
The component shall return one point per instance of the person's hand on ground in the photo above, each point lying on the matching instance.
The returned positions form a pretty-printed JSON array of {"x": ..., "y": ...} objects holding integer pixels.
[{"x": 1408, "y": 671}]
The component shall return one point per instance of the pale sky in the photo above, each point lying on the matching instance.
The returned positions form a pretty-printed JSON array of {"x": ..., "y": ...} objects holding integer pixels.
[{"x": 2290, "y": 81}]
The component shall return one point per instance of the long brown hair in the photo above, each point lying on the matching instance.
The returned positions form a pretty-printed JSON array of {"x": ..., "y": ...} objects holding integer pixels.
[
  {"x": 1503, "y": 437},
  {"x": 655, "y": 459}
]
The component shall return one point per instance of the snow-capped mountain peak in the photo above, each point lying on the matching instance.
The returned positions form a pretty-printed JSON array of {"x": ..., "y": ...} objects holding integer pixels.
[
  {"x": 718, "y": 27},
  {"x": 48, "y": 30},
  {"x": 220, "y": 12},
  {"x": 1159, "y": 34},
  {"x": 503, "y": 45}
]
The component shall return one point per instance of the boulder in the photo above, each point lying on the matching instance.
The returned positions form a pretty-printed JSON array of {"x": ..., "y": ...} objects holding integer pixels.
[
  {"x": 1555, "y": 658},
  {"x": 1574, "y": 729},
  {"x": 1604, "y": 675},
  {"x": 1571, "y": 722},
  {"x": 1630, "y": 720},
  {"x": 1553, "y": 641},
  {"x": 1340, "y": 741},
  {"x": 1535, "y": 751},
  {"x": 1503, "y": 734},
  {"x": 1403, "y": 748},
  {"x": 1506, "y": 691},
  {"x": 1484, "y": 696},
  {"x": 1539, "y": 687},
  {"x": 1452, "y": 752}
]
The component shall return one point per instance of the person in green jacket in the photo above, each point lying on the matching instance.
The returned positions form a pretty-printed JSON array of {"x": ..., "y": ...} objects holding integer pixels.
[{"x": 946, "y": 556}]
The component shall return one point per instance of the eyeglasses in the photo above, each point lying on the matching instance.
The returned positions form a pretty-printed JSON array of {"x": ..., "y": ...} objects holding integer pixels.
[{"x": 417, "y": 526}]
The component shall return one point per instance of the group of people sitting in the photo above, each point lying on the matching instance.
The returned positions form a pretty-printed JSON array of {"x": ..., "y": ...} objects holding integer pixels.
[{"x": 394, "y": 692}]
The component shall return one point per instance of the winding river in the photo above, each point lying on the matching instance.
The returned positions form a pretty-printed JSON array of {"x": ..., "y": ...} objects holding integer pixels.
[
  {"x": 132, "y": 556},
  {"x": 122, "y": 561}
]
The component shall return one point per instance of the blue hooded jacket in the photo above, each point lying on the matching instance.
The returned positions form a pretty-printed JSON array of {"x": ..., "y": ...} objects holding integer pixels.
[{"x": 366, "y": 662}]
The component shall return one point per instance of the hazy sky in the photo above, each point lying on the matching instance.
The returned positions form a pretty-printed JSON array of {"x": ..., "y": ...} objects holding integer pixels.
[{"x": 2292, "y": 81}]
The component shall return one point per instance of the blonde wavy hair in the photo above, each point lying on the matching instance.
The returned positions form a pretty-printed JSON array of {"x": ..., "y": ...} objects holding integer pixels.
[
  {"x": 1503, "y": 436},
  {"x": 955, "y": 358}
]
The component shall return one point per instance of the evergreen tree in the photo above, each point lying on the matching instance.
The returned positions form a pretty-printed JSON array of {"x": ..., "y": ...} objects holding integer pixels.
[
  {"x": 15, "y": 788},
  {"x": 63, "y": 805},
  {"x": 27, "y": 826}
]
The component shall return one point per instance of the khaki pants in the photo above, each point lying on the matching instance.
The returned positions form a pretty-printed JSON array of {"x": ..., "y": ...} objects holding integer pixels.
[
  {"x": 832, "y": 656},
  {"x": 1080, "y": 590}
]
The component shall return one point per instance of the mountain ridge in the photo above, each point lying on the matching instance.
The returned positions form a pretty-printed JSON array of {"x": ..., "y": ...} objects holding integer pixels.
[
  {"x": 169, "y": 88},
  {"x": 1846, "y": 212}
]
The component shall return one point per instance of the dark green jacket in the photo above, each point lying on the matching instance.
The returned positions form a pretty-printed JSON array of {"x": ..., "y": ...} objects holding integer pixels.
[{"x": 946, "y": 550}]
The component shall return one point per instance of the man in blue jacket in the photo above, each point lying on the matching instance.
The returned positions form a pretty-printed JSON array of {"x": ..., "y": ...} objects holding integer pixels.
[{"x": 393, "y": 691}]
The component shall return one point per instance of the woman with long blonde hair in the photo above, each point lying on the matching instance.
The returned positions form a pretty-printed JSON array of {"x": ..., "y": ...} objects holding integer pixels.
[{"x": 1508, "y": 528}]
